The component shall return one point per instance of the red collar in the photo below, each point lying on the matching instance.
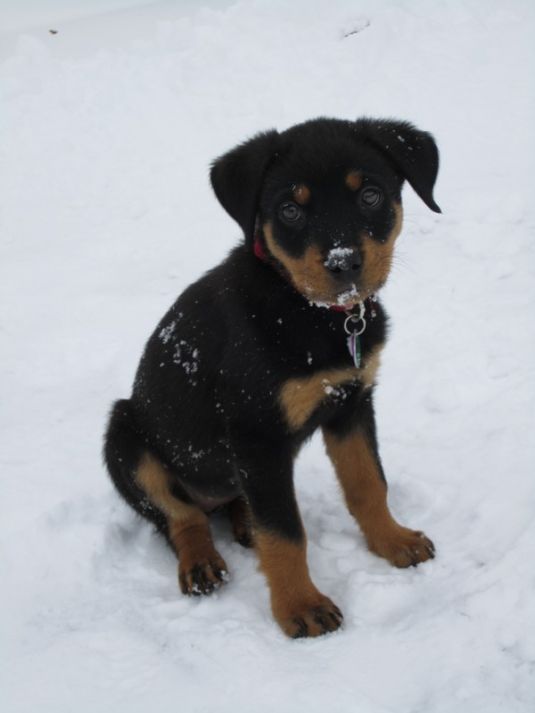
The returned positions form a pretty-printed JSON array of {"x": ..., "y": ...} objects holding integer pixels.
[
  {"x": 261, "y": 254},
  {"x": 259, "y": 250}
]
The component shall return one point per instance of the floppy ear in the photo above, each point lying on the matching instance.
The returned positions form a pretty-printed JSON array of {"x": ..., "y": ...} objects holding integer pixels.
[
  {"x": 237, "y": 178},
  {"x": 414, "y": 153}
]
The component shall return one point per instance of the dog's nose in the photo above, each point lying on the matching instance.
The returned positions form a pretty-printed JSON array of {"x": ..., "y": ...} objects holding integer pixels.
[{"x": 345, "y": 262}]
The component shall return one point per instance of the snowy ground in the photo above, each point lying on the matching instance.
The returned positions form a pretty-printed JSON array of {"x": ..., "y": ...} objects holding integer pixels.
[{"x": 107, "y": 130}]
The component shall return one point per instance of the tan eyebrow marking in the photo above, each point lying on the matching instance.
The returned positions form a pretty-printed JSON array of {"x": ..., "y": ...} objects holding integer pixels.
[
  {"x": 301, "y": 194},
  {"x": 353, "y": 180}
]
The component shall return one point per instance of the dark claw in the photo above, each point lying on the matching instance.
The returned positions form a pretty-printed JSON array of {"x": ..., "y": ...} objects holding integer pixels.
[
  {"x": 337, "y": 621},
  {"x": 197, "y": 579},
  {"x": 219, "y": 573},
  {"x": 413, "y": 554},
  {"x": 429, "y": 546},
  {"x": 326, "y": 618},
  {"x": 302, "y": 628},
  {"x": 321, "y": 619},
  {"x": 200, "y": 584}
]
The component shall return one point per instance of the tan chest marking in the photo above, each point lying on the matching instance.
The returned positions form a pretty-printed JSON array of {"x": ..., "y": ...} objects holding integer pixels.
[{"x": 299, "y": 398}]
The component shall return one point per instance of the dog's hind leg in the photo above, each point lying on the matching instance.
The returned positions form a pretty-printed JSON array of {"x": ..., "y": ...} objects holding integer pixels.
[
  {"x": 124, "y": 447},
  {"x": 201, "y": 569},
  {"x": 146, "y": 484}
]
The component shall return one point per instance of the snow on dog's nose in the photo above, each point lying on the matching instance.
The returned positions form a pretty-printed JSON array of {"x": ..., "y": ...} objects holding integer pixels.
[{"x": 343, "y": 263}]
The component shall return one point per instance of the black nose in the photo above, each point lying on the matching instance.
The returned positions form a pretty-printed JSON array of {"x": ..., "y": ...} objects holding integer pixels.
[{"x": 345, "y": 262}]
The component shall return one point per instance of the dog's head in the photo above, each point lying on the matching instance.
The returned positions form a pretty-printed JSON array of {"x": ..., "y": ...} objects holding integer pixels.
[{"x": 324, "y": 199}]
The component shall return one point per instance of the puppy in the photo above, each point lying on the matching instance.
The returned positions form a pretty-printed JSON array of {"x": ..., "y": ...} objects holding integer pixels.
[{"x": 283, "y": 337}]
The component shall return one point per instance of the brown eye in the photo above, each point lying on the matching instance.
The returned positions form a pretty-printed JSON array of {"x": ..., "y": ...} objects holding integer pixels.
[
  {"x": 290, "y": 213},
  {"x": 371, "y": 197}
]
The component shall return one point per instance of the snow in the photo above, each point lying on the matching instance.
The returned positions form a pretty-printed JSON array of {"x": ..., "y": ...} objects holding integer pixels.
[
  {"x": 108, "y": 129},
  {"x": 166, "y": 333},
  {"x": 336, "y": 256},
  {"x": 348, "y": 297}
]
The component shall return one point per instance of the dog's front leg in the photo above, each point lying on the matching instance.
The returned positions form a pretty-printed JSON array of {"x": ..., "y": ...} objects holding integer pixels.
[
  {"x": 353, "y": 451},
  {"x": 279, "y": 538}
]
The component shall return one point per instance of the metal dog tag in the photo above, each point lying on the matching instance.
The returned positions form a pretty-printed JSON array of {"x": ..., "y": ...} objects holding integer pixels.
[{"x": 354, "y": 326}]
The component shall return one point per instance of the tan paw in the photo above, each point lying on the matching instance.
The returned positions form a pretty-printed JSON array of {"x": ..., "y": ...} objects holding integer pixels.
[
  {"x": 310, "y": 618},
  {"x": 202, "y": 576},
  {"x": 402, "y": 547}
]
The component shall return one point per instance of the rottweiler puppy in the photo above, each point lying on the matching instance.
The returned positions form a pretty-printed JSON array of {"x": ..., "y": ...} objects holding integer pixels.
[{"x": 283, "y": 337}]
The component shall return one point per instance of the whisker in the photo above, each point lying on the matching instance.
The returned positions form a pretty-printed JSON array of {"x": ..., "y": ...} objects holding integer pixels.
[{"x": 402, "y": 262}]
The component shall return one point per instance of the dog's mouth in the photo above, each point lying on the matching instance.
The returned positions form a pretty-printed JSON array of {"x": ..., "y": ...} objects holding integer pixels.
[
  {"x": 348, "y": 298},
  {"x": 345, "y": 299}
]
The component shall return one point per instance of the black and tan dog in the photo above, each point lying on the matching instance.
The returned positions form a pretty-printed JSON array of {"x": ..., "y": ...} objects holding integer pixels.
[{"x": 281, "y": 338}]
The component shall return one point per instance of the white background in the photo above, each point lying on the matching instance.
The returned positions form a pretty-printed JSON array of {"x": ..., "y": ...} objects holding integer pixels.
[{"x": 107, "y": 131}]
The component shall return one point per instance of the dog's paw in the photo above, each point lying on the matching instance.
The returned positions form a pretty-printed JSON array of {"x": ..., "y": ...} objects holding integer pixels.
[
  {"x": 203, "y": 576},
  {"x": 244, "y": 537},
  {"x": 240, "y": 518},
  {"x": 310, "y": 618},
  {"x": 401, "y": 546}
]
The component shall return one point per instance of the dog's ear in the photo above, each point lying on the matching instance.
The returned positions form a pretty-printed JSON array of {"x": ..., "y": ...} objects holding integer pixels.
[
  {"x": 413, "y": 153},
  {"x": 237, "y": 178}
]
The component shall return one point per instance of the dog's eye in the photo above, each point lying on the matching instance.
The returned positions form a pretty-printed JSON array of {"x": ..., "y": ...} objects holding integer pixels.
[
  {"x": 371, "y": 197},
  {"x": 290, "y": 213}
]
